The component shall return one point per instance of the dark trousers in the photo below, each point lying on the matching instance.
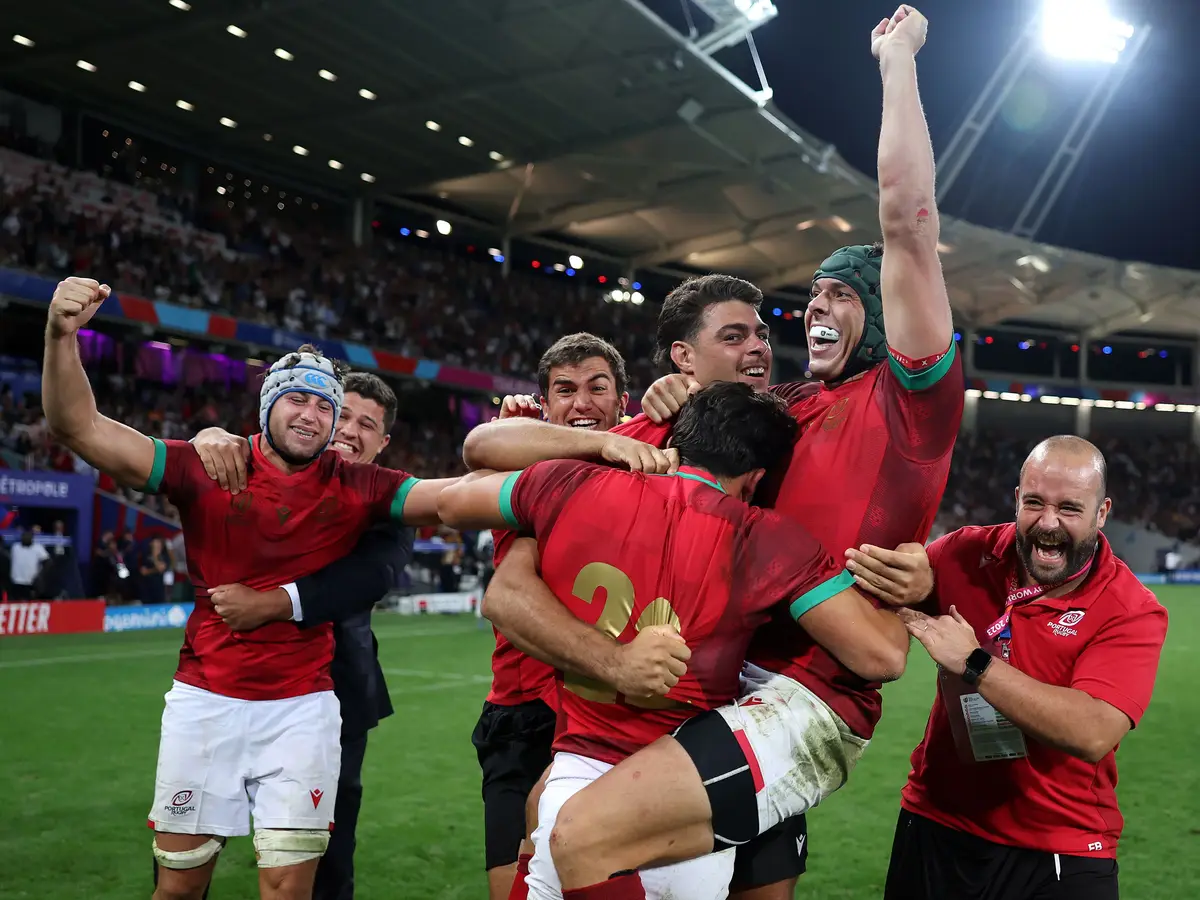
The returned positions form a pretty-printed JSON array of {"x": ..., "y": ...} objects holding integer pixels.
[{"x": 335, "y": 873}]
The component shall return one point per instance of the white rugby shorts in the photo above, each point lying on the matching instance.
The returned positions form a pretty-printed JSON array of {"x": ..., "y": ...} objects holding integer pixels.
[
  {"x": 799, "y": 750},
  {"x": 703, "y": 878},
  {"x": 222, "y": 760}
]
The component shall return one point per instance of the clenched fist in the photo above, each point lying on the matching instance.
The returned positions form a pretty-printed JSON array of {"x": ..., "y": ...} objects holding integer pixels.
[
  {"x": 905, "y": 30},
  {"x": 74, "y": 303}
]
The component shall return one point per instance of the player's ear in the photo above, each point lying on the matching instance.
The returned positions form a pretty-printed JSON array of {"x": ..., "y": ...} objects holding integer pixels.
[
  {"x": 624, "y": 404},
  {"x": 750, "y": 485},
  {"x": 683, "y": 356}
]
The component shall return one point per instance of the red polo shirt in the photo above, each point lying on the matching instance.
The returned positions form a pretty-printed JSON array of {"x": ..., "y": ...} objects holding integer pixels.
[{"x": 1103, "y": 638}]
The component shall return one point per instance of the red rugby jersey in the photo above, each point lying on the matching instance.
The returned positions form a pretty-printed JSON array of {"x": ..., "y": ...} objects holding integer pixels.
[
  {"x": 870, "y": 466},
  {"x": 281, "y": 528},
  {"x": 1104, "y": 638},
  {"x": 516, "y": 676},
  {"x": 624, "y": 551}
]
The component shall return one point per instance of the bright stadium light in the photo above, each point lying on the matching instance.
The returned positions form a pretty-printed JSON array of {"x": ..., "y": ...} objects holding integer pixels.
[
  {"x": 137, "y": 86},
  {"x": 1084, "y": 30},
  {"x": 443, "y": 226},
  {"x": 365, "y": 94},
  {"x": 22, "y": 40},
  {"x": 284, "y": 54},
  {"x": 367, "y": 177},
  {"x": 228, "y": 122},
  {"x": 335, "y": 164},
  {"x": 235, "y": 31},
  {"x": 85, "y": 65},
  {"x": 184, "y": 105},
  {"x": 575, "y": 261}
]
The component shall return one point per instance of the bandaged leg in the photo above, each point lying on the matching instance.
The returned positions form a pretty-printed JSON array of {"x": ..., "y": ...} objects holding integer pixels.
[
  {"x": 188, "y": 859},
  {"x": 279, "y": 847}
]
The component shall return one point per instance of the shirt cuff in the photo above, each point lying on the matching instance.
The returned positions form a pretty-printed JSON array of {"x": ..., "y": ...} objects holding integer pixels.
[{"x": 294, "y": 593}]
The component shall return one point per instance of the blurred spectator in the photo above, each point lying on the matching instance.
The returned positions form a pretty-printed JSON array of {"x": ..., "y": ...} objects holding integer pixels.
[
  {"x": 154, "y": 571},
  {"x": 25, "y": 566}
]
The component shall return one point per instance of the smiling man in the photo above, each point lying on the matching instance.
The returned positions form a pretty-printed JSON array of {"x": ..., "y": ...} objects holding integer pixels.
[{"x": 1047, "y": 648}]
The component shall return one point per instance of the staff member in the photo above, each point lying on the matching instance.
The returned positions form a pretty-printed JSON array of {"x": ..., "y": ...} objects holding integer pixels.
[{"x": 1047, "y": 647}]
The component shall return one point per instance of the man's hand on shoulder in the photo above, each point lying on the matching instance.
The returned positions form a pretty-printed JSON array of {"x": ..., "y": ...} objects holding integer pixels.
[
  {"x": 637, "y": 456},
  {"x": 651, "y": 664},
  {"x": 666, "y": 397},
  {"x": 224, "y": 456},
  {"x": 900, "y": 577},
  {"x": 244, "y": 609}
]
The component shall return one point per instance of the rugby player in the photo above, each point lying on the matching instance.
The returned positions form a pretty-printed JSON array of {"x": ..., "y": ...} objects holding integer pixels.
[
  {"x": 251, "y": 724},
  {"x": 343, "y": 593},
  {"x": 687, "y": 551},
  {"x": 583, "y": 385},
  {"x": 869, "y": 468}
]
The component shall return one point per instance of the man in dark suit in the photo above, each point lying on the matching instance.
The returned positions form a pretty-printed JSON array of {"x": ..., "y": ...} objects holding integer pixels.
[{"x": 343, "y": 593}]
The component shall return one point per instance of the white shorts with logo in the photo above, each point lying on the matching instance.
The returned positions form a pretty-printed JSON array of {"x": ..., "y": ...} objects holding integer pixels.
[
  {"x": 704, "y": 878},
  {"x": 222, "y": 760},
  {"x": 802, "y": 748}
]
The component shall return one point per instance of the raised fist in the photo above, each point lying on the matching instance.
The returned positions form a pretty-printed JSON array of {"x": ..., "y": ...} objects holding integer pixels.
[
  {"x": 74, "y": 303},
  {"x": 905, "y": 29}
]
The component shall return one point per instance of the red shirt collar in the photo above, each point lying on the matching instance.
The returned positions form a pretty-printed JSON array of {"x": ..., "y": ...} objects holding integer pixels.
[{"x": 1002, "y": 554}]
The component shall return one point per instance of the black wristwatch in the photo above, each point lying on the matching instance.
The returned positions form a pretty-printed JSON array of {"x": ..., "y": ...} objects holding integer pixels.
[{"x": 977, "y": 662}]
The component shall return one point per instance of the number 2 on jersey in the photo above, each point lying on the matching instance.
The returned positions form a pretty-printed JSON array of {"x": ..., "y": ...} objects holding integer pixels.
[{"x": 613, "y": 620}]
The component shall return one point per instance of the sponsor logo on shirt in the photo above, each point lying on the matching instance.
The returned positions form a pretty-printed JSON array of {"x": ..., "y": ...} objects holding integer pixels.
[
  {"x": 240, "y": 504},
  {"x": 326, "y": 509},
  {"x": 836, "y": 415},
  {"x": 283, "y": 512},
  {"x": 1063, "y": 626}
]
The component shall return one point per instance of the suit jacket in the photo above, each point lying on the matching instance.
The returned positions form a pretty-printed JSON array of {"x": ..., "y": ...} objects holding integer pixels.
[{"x": 344, "y": 592}]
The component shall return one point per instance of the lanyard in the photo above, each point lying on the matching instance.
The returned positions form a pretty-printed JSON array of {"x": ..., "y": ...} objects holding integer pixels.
[{"x": 1001, "y": 627}]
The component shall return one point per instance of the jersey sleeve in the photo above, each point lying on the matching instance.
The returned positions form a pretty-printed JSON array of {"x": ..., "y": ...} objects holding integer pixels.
[
  {"x": 177, "y": 471},
  {"x": 641, "y": 428},
  {"x": 1120, "y": 662},
  {"x": 792, "y": 566},
  {"x": 923, "y": 403},
  {"x": 532, "y": 499},
  {"x": 793, "y": 392}
]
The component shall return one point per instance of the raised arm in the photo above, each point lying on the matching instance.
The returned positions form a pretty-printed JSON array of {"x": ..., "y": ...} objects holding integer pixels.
[
  {"x": 113, "y": 448},
  {"x": 479, "y": 502},
  {"x": 916, "y": 307}
]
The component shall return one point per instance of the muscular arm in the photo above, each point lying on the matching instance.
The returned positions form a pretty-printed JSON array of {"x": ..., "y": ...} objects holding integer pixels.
[
  {"x": 872, "y": 643},
  {"x": 477, "y": 502},
  {"x": 517, "y": 443},
  {"x": 915, "y": 303},
  {"x": 113, "y": 448},
  {"x": 421, "y": 504},
  {"x": 357, "y": 581},
  {"x": 1062, "y": 717},
  {"x": 526, "y": 612}
]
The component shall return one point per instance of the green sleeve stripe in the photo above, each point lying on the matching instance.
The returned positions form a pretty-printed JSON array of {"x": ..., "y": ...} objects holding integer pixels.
[
  {"x": 154, "y": 482},
  {"x": 397, "y": 510},
  {"x": 919, "y": 381},
  {"x": 506, "y": 509},
  {"x": 821, "y": 593}
]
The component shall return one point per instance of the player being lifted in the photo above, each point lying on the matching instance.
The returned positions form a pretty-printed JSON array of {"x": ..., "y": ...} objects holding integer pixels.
[
  {"x": 869, "y": 468},
  {"x": 251, "y": 724},
  {"x": 685, "y": 550}
]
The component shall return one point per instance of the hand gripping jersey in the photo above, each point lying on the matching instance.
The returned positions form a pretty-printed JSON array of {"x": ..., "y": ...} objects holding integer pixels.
[
  {"x": 281, "y": 528},
  {"x": 625, "y": 551}
]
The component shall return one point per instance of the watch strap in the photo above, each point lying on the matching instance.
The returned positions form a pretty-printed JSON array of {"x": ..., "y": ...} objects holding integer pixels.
[{"x": 977, "y": 662}]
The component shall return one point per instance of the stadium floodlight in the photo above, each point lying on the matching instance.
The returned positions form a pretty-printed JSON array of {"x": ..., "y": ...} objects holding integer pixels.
[
  {"x": 367, "y": 177},
  {"x": 335, "y": 164},
  {"x": 575, "y": 261},
  {"x": 228, "y": 122},
  {"x": 22, "y": 40},
  {"x": 137, "y": 86},
  {"x": 465, "y": 141},
  {"x": 184, "y": 105},
  {"x": 365, "y": 94},
  {"x": 285, "y": 55},
  {"x": 235, "y": 31},
  {"x": 443, "y": 226},
  {"x": 85, "y": 65},
  {"x": 327, "y": 75},
  {"x": 1084, "y": 30}
]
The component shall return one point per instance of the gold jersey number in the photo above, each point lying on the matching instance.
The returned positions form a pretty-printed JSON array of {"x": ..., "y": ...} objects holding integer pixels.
[{"x": 614, "y": 619}]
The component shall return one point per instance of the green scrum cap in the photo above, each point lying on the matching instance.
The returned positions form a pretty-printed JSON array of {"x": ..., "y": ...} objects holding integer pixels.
[{"x": 859, "y": 267}]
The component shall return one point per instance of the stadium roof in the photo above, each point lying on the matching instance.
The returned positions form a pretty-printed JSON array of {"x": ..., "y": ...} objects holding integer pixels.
[{"x": 590, "y": 121}]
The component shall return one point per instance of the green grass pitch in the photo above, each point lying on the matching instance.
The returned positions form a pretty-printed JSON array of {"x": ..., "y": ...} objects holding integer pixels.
[{"x": 79, "y": 729}]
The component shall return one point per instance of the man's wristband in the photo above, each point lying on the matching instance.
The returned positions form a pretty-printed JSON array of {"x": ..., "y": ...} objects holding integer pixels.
[{"x": 293, "y": 593}]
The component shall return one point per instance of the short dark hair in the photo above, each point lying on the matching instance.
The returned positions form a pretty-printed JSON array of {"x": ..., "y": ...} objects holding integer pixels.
[
  {"x": 730, "y": 429},
  {"x": 684, "y": 308},
  {"x": 372, "y": 387},
  {"x": 339, "y": 368},
  {"x": 573, "y": 349}
]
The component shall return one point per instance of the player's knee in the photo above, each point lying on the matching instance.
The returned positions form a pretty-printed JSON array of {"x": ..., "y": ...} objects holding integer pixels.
[
  {"x": 280, "y": 847},
  {"x": 573, "y": 836},
  {"x": 182, "y": 860}
]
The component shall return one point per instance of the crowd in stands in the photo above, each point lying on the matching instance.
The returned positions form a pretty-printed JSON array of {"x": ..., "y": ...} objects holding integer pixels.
[{"x": 413, "y": 296}]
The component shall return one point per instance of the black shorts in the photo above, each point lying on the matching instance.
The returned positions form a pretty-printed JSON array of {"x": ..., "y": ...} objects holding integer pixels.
[
  {"x": 933, "y": 862},
  {"x": 777, "y": 854},
  {"x": 513, "y": 744}
]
